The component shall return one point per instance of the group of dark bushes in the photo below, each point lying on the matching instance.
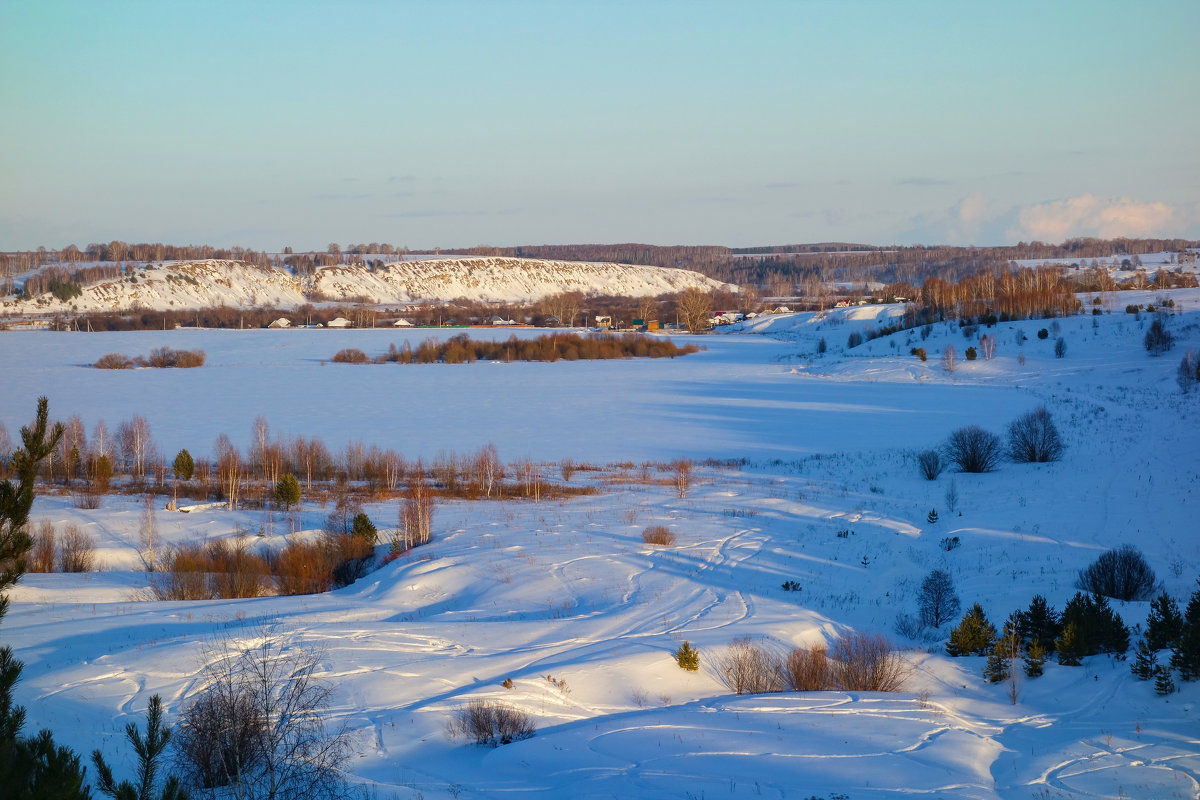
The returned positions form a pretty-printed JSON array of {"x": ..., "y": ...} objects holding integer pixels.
[
  {"x": 1032, "y": 438},
  {"x": 160, "y": 357},
  {"x": 461, "y": 349}
]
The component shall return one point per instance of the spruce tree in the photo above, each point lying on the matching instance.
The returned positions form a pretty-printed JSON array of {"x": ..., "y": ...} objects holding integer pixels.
[
  {"x": 1164, "y": 624},
  {"x": 287, "y": 491},
  {"x": 1145, "y": 661},
  {"x": 184, "y": 465},
  {"x": 1005, "y": 651},
  {"x": 1163, "y": 685},
  {"x": 1035, "y": 659},
  {"x": 1186, "y": 656},
  {"x": 687, "y": 657},
  {"x": 1067, "y": 646},
  {"x": 973, "y": 636},
  {"x": 1040, "y": 623}
]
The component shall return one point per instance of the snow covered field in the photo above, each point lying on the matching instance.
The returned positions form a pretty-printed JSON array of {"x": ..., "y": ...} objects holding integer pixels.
[{"x": 568, "y": 589}]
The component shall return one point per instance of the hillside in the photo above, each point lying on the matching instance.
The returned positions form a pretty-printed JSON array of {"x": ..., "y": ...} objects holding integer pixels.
[{"x": 203, "y": 284}]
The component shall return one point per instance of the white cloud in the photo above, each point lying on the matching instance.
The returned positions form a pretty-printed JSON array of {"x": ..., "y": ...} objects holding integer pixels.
[{"x": 1088, "y": 215}]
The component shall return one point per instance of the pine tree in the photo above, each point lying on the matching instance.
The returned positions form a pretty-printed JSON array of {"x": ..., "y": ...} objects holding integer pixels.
[
  {"x": 287, "y": 491},
  {"x": 1035, "y": 659},
  {"x": 1186, "y": 656},
  {"x": 1145, "y": 661},
  {"x": 33, "y": 767},
  {"x": 1163, "y": 685},
  {"x": 687, "y": 657},
  {"x": 148, "y": 750},
  {"x": 932, "y": 516},
  {"x": 973, "y": 636},
  {"x": 1164, "y": 624},
  {"x": 1040, "y": 623},
  {"x": 184, "y": 465},
  {"x": 1000, "y": 660},
  {"x": 1067, "y": 646}
]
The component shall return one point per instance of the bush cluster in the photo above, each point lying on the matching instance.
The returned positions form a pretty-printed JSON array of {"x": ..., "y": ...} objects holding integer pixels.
[
  {"x": 491, "y": 723},
  {"x": 859, "y": 662},
  {"x": 461, "y": 349},
  {"x": 160, "y": 357},
  {"x": 658, "y": 534}
]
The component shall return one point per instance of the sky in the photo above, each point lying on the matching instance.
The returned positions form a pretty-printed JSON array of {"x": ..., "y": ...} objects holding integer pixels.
[{"x": 456, "y": 123}]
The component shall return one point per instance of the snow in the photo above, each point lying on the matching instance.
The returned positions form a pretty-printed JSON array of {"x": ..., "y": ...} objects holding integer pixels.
[
  {"x": 203, "y": 284},
  {"x": 567, "y": 588}
]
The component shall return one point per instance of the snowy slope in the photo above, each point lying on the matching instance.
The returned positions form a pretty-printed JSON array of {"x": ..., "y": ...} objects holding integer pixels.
[
  {"x": 201, "y": 284},
  {"x": 568, "y": 589}
]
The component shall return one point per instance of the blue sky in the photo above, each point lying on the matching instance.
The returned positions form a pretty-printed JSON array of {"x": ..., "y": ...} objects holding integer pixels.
[{"x": 461, "y": 123}]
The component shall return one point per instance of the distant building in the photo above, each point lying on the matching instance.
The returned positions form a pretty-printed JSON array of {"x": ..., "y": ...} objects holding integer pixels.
[
  {"x": 340, "y": 322},
  {"x": 282, "y": 322}
]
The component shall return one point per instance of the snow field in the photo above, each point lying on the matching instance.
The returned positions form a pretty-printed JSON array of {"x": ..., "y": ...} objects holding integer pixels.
[{"x": 569, "y": 590}]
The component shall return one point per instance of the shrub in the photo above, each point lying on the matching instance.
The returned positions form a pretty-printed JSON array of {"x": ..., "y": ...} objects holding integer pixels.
[
  {"x": 937, "y": 602},
  {"x": 854, "y": 339},
  {"x": 658, "y": 535},
  {"x": 920, "y": 353},
  {"x": 257, "y": 725},
  {"x": 1158, "y": 338},
  {"x": 687, "y": 657},
  {"x": 491, "y": 723},
  {"x": 747, "y": 668},
  {"x": 113, "y": 361},
  {"x": 972, "y": 354},
  {"x": 931, "y": 464},
  {"x": 1033, "y": 438},
  {"x": 351, "y": 355},
  {"x": 76, "y": 550},
  {"x": 972, "y": 449},
  {"x": 1060, "y": 347},
  {"x": 42, "y": 554},
  {"x": 868, "y": 663},
  {"x": 1043, "y": 334},
  {"x": 1121, "y": 574},
  {"x": 949, "y": 543},
  {"x": 809, "y": 670}
]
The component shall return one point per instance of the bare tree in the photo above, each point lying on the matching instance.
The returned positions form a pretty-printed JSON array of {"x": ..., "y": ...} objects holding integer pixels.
[
  {"x": 695, "y": 309},
  {"x": 937, "y": 601},
  {"x": 949, "y": 358},
  {"x": 256, "y": 727},
  {"x": 647, "y": 309},
  {"x": 148, "y": 533},
  {"x": 136, "y": 445},
  {"x": 683, "y": 476}
]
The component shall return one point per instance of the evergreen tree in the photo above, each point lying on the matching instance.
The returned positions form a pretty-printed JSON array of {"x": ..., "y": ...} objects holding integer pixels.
[
  {"x": 1039, "y": 624},
  {"x": 1164, "y": 624},
  {"x": 363, "y": 528},
  {"x": 932, "y": 516},
  {"x": 1035, "y": 659},
  {"x": 687, "y": 657},
  {"x": 1004, "y": 652},
  {"x": 973, "y": 636},
  {"x": 149, "y": 751},
  {"x": 1163, "y": 685},
  {"x": 1097, "y": 628},
  {"x": 287, "y": 491},
  {"x": 184, "y": 465},
  {"x": 1145, "y": 661},
  {"x": 1186, "y": 656},
  {"x": 1067, "y": 646},
  {"x": 34, "y": 767}
]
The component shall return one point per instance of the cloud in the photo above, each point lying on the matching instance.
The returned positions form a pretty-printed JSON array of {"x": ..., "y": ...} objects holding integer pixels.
[{"x": 1088, "y": 215}]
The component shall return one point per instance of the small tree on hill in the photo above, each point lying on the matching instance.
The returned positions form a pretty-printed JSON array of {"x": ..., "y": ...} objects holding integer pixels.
[
  {"x": 1122, "y": 574},
  {"x": 1039, "y": 624},
  {"x": 149, "y": 752},
  {"x": 1158, "y": 339},
  {"x": 974, "y": 635},
  {"x": 937, "y": 603},
  {"x": 1186, "y": 656},
  {"x": 687, "y": 657}
]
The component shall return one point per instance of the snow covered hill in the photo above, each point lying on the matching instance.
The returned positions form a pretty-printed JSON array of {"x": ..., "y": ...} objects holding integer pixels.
[{"x": 203, "y": 284}]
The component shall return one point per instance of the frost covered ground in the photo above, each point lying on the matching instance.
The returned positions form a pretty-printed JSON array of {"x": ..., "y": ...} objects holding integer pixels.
[{"x": 568, "y": 589}]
